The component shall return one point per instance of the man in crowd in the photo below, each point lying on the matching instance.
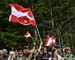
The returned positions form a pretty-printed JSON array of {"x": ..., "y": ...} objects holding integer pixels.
[
  {"x": 0, "y": 54},
  {"x": 68, "y": 55},
  {"x": 4, "y": 54},
  {"x": 59, "y": 50}
]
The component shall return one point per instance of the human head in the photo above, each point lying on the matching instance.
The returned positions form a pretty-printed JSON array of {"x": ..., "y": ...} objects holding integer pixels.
[
  {"x": 26, "y": 50},
  {"x": 4, "y": 52},
  {"x": 59, "y": 48},
  {"x": 45, "y": 50},
  {"x": 20, "y": 53},
  {"x": 67, "y": 50},
  {"x": 12, "y": 54},
  {"x": 41, "y": 50},
  {"x": 0, "y": 52},
  {"x": 54, "y": 52}
]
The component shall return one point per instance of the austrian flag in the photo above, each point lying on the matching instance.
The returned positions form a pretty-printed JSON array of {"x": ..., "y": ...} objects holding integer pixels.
[
  {"x": 50, "y": 41},
  {"x": 27, "y": 34},
  {"x": 21, "y": 15}
]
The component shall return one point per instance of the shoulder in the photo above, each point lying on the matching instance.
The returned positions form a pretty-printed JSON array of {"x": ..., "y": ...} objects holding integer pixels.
[
  {"x": 59, "y": 57},
  {"x": 71, "y": 55}
]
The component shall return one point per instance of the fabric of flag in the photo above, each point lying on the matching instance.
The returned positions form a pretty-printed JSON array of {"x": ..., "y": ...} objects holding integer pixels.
[
  {"x": 50, "y": 41},
  {"x": 21, "y": 15},
  {"x": 53, "y": 41},
  {"x": 27, "y": 34}
]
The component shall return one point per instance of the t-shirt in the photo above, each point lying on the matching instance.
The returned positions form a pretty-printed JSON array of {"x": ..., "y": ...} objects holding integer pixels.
[
  {"x": 46, "y": 56},
  {"x": 70, "y": 57}
]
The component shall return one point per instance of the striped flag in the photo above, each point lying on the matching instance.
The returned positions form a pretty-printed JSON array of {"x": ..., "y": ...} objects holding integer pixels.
[
  {"x": 21, "y": 15},
  {"x": 50, "y": 41},
  {"x": 27, "y": 34}
]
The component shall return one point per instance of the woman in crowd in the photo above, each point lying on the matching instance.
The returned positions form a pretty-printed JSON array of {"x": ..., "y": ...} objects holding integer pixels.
[
  {"x": 12, "y": 55},
  {"x": 55, "y": 55}
]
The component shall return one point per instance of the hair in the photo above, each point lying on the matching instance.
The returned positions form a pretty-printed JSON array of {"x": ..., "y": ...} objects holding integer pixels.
[
  {"x": 66, "y": 49},
  {"x": 12, "y": 53},
  {"x": 53, "y": 50}
]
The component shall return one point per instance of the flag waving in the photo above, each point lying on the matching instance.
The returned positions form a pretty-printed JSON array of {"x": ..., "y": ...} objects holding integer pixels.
[
  {"x": 50, "y": 41},
  {"x": 21, "y": 15},
  {"x": 27, "y": 34}
]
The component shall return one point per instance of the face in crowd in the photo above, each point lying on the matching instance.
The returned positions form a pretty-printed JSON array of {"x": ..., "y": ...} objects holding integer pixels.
[
  {"x": 26, "y": 50},
  {"x": 67, "y": 50}
]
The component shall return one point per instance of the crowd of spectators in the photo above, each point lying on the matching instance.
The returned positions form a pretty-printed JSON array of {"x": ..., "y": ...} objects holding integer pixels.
[{"x": 40, "y": 53}]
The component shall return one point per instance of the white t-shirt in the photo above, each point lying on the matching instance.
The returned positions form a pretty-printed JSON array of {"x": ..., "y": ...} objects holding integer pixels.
[{"x": 58, "y": 57}]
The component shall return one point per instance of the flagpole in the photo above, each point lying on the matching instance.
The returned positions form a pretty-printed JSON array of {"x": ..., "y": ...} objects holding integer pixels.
[
  {"x": 36, "y": 25},
  {"x": 38, "y": 33},
  {"x": 35, "y": 35}
]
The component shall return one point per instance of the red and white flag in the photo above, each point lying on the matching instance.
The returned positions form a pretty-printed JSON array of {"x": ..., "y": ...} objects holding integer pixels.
[
  {"x": 21, "y": 15},
  {"x": 50, "y": 41},
  {"x": 53, "y": 41},
  {"x": 27, "y": 34}
]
